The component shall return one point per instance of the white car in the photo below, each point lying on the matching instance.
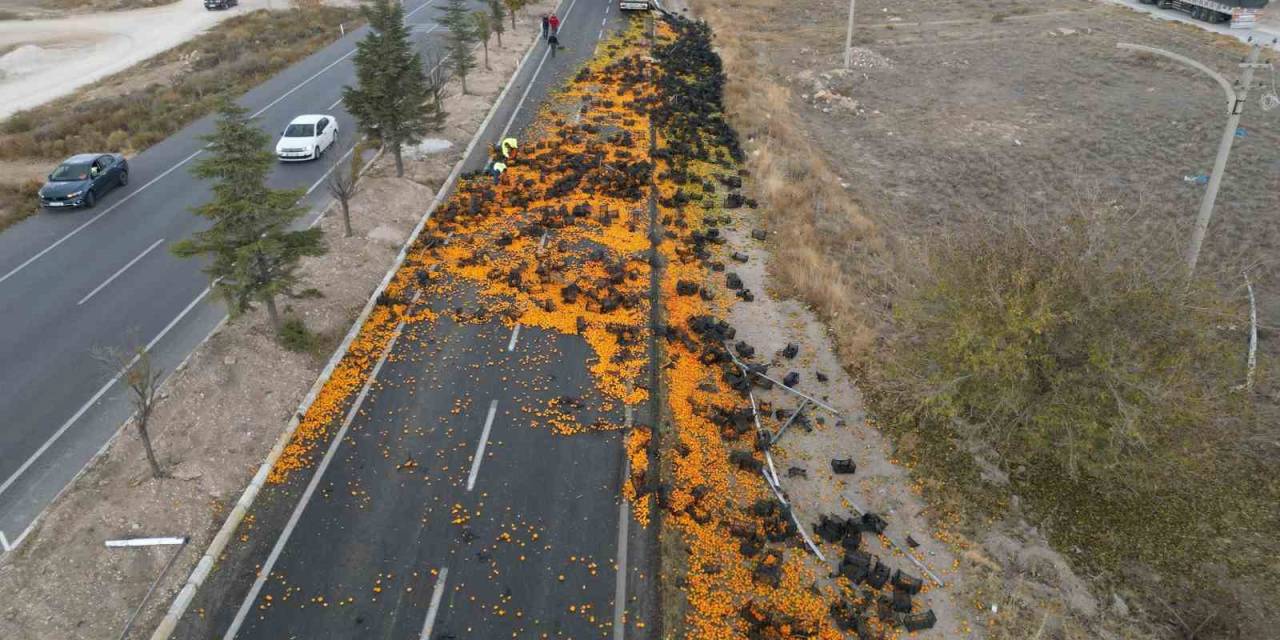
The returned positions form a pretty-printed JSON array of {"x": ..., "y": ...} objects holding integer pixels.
[{"x": 307, "y": 137}]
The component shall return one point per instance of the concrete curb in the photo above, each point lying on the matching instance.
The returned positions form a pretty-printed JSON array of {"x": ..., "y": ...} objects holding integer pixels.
[{"x": 219, "y": 543}]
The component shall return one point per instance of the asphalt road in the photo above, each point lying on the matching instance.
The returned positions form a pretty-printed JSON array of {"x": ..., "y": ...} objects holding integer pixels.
[
  {"x": 73, "y": 281},
  {"x": 439, "y": 511}
]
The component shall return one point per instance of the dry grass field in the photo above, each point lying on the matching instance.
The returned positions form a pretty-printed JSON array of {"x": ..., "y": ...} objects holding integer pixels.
[{"x": 961, "y": 121}]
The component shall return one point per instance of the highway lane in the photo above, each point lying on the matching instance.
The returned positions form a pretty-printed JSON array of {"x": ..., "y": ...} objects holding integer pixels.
[
  {"x": 58, "y": 404},
  {"x": 409, "y": 530}
]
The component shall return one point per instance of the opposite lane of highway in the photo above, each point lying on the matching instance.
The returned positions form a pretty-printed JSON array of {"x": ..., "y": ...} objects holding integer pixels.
[{"x": 59, "y": 404}]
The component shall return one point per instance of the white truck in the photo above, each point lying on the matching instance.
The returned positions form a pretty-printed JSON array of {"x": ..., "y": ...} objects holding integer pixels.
[
  {"x": 1242, "y": 14},
  {"x": 633, "y": 5}
]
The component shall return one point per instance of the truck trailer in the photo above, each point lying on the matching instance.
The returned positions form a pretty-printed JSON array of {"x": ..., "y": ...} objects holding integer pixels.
[{"x": 1242, "y": 14}]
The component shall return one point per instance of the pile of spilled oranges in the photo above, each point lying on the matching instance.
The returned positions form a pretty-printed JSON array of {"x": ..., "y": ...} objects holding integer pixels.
[{"x": 608, "y": 225}]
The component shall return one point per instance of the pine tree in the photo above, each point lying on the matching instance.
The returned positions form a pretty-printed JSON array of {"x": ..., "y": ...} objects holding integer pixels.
[
  {"x": 497, "y": 13},
  {"x": 392, "y": 86},
  {"x": 461, "y": 37},
  {"x": 483, "y": 29},
  {"x": 254, "y": 255}
]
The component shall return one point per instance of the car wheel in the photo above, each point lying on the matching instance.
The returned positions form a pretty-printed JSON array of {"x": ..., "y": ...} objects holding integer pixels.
[
  {"x": 90, "y": 199},
  {"x": 124, "y": 178},
  {"x": 315, "y": 153}
]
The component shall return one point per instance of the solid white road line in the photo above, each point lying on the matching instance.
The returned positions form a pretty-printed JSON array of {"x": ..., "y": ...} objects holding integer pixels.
[
  {"x": 534, "y": 77},
  {"x": 326, "y": 68},
  {"x": 180, "y": 163},
  {"x": 122, "y": 270},
  {"x": 302, "y": 84},
  {"x": 265, "y": 571},
  {"x": 515, "y": 335},
  {"x": 335, "y": 103},
  {"x": 436, "y": 595},
  {"x": 484, "y": 442},
  {"x": 97, "y": 396},
  {"x": 325, "y": 176},
  {"x": 94, "y": 219},
  {"x": 620, "y": 586},
  {"x": 624, "y": 523}
]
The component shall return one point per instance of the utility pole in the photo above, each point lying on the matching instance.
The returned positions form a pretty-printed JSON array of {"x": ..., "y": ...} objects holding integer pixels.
[
  {"x": 848, "y": 39},
  {"x": 1236, "y": 97}
]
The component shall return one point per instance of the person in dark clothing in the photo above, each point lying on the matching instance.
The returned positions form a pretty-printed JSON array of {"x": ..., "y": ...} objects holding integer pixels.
[
  {"x": 554, "y": 43},
  {"x": 546, "y": 26}
]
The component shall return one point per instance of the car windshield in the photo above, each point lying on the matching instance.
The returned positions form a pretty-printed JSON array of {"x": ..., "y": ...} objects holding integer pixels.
[
  {"x": 300, "y": 131},
  {"x": 70, "y": 172}
]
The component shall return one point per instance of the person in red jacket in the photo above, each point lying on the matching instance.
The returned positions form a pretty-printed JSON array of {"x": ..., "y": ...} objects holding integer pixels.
[{"x": 554, "y": 23}]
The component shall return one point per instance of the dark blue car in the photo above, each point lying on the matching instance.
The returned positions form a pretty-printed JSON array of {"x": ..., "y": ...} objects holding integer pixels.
[{"x": 81, "y": 179}]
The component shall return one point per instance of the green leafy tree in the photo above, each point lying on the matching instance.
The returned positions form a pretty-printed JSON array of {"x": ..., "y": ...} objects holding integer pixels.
[
  {"x": 253, "y": 254},
  {"x": 392, "y": 86},
  {"x": 497, "y": 12},
  {"x": 483, "y": 29},
  {"x": 461, "y": 36}
]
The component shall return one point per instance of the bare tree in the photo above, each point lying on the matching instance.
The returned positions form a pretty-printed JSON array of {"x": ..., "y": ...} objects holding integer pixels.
[
  {"x": 438, "y": 76},
  {"x": 343, "y": 186},
  {"x": 143, "y": 381},
  {"x": 483, "y": 26}
]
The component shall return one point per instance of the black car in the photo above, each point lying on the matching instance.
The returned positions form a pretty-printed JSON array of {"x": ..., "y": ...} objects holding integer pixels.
[
  {"x": 219, "y": 4},
  {"x": 81, "y": 179}
]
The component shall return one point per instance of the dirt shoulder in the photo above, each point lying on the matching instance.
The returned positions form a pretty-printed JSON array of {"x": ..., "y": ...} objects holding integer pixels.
[{"x": 219, "y": 415}]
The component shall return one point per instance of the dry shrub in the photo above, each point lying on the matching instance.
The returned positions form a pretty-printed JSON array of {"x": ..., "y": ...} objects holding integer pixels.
[
  {"x": 1070, "y": 348},
  {"x": 17, "y": 201},
  {"x": 824, "y": 245},
  {"x": 224, "y": 62}
]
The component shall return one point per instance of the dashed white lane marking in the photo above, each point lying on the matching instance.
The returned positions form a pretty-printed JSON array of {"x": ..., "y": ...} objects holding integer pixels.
[
  {"x": 94, "y": 219},
  {"x": 515, "y": 335},
  {"x": 329, "y": 171},
  {"x": 180, "y": 163},
  {"x": 265, "y": 571},
  {"x": 436, "y": 595},
  {"x": 484, "y": 442},
  {"x": 122, "y": 270},
  {"x": 94, "y": 399}
]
